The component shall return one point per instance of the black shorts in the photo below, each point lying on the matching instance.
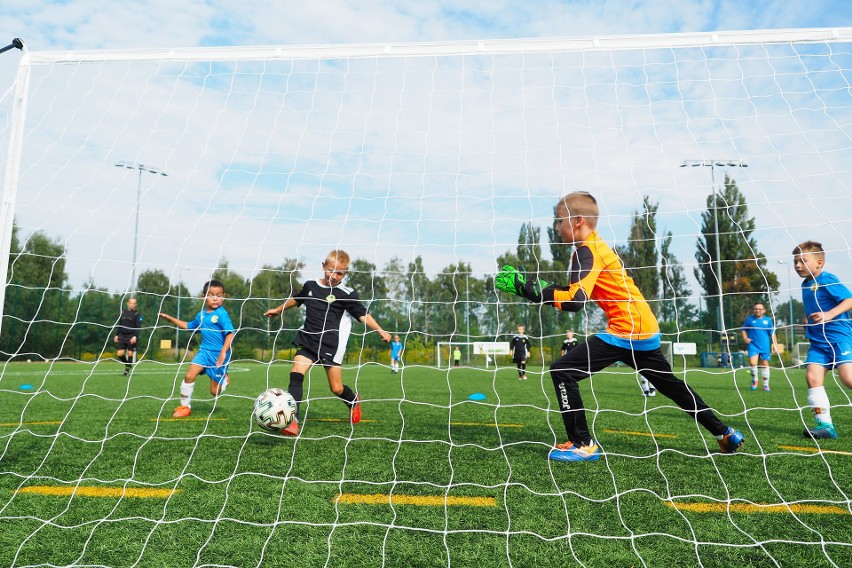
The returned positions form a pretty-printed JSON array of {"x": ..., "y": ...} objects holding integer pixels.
[
  {"x": 124, "y": 344},
  {"x": 324, "y": 361}
]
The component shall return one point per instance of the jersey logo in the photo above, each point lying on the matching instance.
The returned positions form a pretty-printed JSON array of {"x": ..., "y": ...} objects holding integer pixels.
[
  {"x": 330, "y": 298},
  {"x": 215, "y": 319},
  {"x": 814, "y": 287}
]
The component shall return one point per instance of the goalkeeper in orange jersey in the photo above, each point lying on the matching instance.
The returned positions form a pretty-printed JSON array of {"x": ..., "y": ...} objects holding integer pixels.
[{"x": 632, "y": 335}]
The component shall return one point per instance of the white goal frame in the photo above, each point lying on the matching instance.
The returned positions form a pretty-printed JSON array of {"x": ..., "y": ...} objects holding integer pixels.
[{"x": 487, "y": 348}]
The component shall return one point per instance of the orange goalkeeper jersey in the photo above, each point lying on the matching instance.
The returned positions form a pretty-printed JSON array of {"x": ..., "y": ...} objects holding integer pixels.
[{"x": 597, "y": 274}]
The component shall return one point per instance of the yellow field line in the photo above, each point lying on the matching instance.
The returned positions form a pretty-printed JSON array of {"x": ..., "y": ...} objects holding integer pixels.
[
  {"x": 814, "y": 450},
  {"x": 31, "y": 423},
  {"x": 758, "y": 508},
  {"x": 187, "y": 419},
  {"x": 419, "y": 500},
  {"x": 332, "y": 420},
  {"x": 56, "y": 490},
  {"x": 486, "y": 424},
  {"x": 648, "y": 434}
]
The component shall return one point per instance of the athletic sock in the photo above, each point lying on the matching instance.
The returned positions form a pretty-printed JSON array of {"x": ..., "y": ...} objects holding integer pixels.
[
  {"x": 186, "y": 393},
  {"x": 348, "y": 396},
  {"x": 818, "y": 399},
  {"x": 766, "y": 376},
  {"x": 295, "y": 388}
]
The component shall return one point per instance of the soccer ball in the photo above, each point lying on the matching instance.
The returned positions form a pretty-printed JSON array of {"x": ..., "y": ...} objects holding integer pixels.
[{"x": 274, "y": 409}]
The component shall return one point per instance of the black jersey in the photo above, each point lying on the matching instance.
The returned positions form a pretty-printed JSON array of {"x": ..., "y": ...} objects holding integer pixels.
[
  {"x": 568, "y": 345},
  {"x": 328, "y": 319},
  {"x": 129, "y": 324},
  {"x": 520, "y": 346}
]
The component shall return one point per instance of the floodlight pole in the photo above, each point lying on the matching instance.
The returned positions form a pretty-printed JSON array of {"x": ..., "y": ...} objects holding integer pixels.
[
  {"x": 140, "y": 168},
  {"x": 792, "y": 333},
  {"x": 712, "y": 165}
]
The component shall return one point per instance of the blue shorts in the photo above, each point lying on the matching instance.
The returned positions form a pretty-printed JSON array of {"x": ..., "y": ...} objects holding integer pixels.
[
  {"x": 207, "y": 359},
  {"x": 755, "y": 350},
  {"x": 829, "y": 354}
]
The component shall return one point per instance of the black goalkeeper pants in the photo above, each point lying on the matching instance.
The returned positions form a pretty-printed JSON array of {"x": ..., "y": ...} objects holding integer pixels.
[{"x": 595, "y": 355}]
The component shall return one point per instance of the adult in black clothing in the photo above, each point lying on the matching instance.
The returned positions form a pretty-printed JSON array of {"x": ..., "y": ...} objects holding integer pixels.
[
  {"x": 569, "y": 343},
  {"x": 127, "y": 335}
]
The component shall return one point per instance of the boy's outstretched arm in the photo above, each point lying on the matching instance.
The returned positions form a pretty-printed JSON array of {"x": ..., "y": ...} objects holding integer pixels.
[
  {"x": 518, "y": 282},
  {"x": 289, "y": 303},
  {"x": 180, "y": 323},
  {"x": 370, "y": 322}
]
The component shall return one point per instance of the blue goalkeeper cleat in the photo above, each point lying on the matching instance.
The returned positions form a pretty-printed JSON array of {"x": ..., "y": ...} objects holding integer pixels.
[
  {"x": 586, "y": 453},
  {"x": 731, "y": 441},
  {"x": 822, "y": 431}
]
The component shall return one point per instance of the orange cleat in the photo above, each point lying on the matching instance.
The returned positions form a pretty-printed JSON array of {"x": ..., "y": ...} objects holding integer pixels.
[
  {"x": 355, "y": 413},
  {"x": 565, "y": 445},
  {"x": 181, "y": 412},
  {"x": 292, "y": 429}
]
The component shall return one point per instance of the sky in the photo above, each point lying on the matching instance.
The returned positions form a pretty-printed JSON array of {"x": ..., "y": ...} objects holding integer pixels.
[{"x": 416, "y": 156}]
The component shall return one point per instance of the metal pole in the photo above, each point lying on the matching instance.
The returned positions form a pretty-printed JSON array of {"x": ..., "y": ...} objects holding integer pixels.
[
  {"x": 718, "y": 261},
  {"x": 140, "y": 168},
  {"x": 722, "y": 331},
  {"x": 136, "y": 234}
]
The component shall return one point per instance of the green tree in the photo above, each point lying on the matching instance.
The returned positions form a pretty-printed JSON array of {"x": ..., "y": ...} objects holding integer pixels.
[
  {"x": 744, "y": 274},
  {"x": 37, "y": 310},
  {"x": 674, "y": 306},
  {"x": 270, "y": 288},
  {"x": 639, "y": 256},
  {"x": 560, "y": 251},
  {"x": 529, "y": 247}
]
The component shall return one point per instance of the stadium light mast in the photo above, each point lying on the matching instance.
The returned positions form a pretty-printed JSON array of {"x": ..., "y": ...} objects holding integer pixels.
[
  {"x": 792, "y": 333},
  {"x": 140, "y": 168},
  {"x": 713, "y": 164}
]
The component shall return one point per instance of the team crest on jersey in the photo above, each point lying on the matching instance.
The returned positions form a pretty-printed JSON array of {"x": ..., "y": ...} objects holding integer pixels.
[
  {"x": 814, "y": 287},
  {"x": 330, "y": 298},
  {"x": 215, "y": 319}
]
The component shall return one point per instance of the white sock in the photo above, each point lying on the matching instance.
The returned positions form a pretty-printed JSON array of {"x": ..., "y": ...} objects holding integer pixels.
[
  {"x": 766, "y": 376},
  {"x": 186, "y": 393},
  {"x": 643, "y": 382},
  {"x": 753, "y": 371},
  {"x": 818, "y": 399}
]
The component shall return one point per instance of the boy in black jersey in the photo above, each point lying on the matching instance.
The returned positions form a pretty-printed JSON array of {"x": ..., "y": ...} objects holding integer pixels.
[
  {"x": 127, "y": 335},
  {"x": 520, "y": 346},
  {"x": 329, "y": 309}
]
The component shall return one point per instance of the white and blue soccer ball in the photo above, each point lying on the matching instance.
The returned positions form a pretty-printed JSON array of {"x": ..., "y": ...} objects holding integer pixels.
[{"x": 274, "y": 409}]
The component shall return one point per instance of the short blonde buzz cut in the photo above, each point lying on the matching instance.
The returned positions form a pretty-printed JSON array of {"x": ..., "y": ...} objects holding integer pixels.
[
  {"x": 810, "y": 247},
  {"x": 579, "y": 204},
  {"x": 338, "y": 257}
]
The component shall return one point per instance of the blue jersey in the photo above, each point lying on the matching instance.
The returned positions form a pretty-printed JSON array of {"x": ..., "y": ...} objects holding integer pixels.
[
  {"x": 396, "y": 349},
  {"x": 822, "y": 294},
  {"x": 214, "y": 327},
  {"x": 760, "y": 331}
]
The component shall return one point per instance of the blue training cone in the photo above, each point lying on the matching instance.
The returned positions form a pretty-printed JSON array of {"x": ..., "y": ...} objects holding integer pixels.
[
  {"x": 476, "y": 396},
  {"x": 26, "y": 387}
]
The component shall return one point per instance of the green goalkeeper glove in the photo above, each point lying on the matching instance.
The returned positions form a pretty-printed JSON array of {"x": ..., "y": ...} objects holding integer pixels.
[{"x": 515, "y": 281}]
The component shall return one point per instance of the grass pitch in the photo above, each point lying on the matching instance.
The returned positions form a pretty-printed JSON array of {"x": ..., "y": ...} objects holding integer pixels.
[{"x": 93, "y": 471}]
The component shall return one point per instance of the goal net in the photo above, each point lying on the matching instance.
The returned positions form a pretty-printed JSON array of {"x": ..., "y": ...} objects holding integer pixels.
[{"x": 142, "y": 174}]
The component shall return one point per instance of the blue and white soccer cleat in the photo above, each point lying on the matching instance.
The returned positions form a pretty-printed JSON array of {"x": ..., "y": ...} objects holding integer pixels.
[
  {"x": 586, "y": 453},
  {"x": 822, "y": 431},
  {"x": 731, "y": 441}
]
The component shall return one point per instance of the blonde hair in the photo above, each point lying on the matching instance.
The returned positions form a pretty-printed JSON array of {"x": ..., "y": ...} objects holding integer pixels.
[
  {"x": 340, "y": 257},
  {"x": 580, "y": 204},
  {"x": 809, "y": 247}
]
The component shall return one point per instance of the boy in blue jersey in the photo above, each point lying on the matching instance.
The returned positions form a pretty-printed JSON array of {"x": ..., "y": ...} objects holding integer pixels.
[
  {"x": 395, "y": 354},
  {"x": 759, "y": 335},
  {"x": 829, "y": 330},
  {"x": 214, "y": 354}
]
